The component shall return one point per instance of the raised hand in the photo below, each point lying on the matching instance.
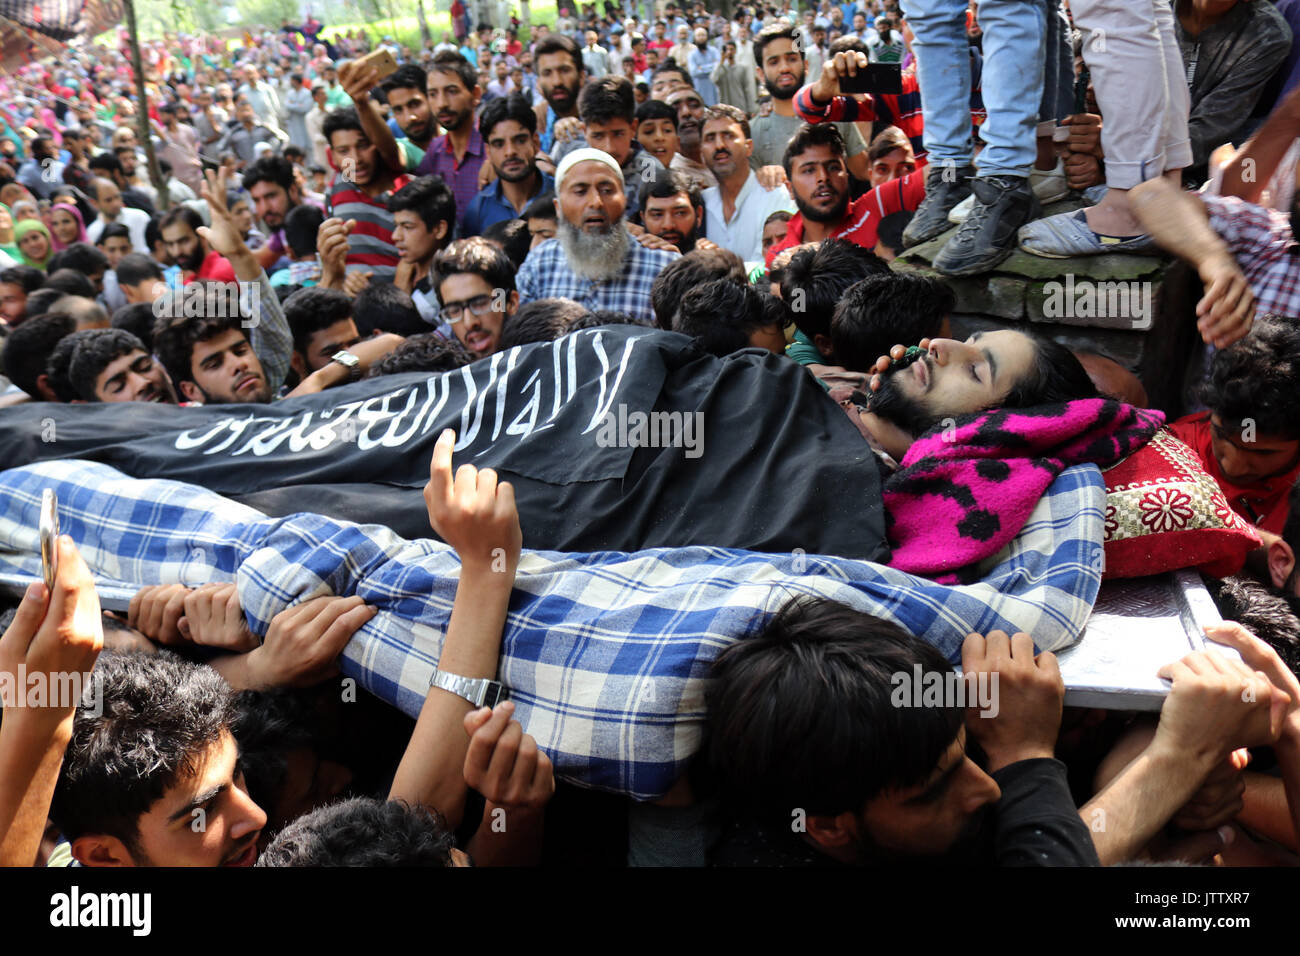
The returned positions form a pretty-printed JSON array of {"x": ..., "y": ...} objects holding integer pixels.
[
  {"x": 503, "y": 763},
  {"x": 474, "y": 512}
]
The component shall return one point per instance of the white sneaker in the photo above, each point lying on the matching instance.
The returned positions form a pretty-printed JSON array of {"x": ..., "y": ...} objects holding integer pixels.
[{"x": 1047, "y": 184}]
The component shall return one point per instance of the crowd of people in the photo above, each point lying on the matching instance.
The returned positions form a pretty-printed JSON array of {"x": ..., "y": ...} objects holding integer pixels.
[{"x": 304, "y": 218}]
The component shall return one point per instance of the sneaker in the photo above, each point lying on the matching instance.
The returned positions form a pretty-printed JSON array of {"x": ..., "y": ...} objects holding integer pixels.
[
  {"x": 931, "y": 217},
  {"x": 1002, "y": 205},
  {"x": 1048, "y": 185},
  {"x": 1067, "y": 234}
]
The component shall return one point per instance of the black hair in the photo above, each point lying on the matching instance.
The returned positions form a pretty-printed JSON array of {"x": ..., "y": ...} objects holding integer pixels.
[
  {"x": 1269, "y": 614},
  {"x": 267, "y": 725},
  {"x": 136, "y": 267},
  {"x": 606, "y": 99},
  {"x": 114, "y": 230},
  {"x": 695, "y": 268},
  {"x": 808, "y": 136},
  {"x": 180, "y": 214},
  {"x": 25, "y": 277},
  {"x": 343, "y": 118},
  {"x": 655, "y": 110},
  {"x": 28, "y": 348},
  {"x": 542, "y": 320},
  {"x": 43, "y": 300},
  {"x": 601, "y": 318},
  {"x": 92, "y": 352},
  {"x": 107, "y": 162},
  {"x": 1258, "y": 377},
  {"x": 1055, "y": 376},
  {"x": 781, "y": 29},
  {"x": 363, "y": 831},
  {"x": 559, "y": 43},
  {"x": 720, "y": 316},
  {"x": 425, "y": 352},
  {"x": 269, "y": 169},
  {"x": 449, "y": 61},
  {"x": 510, "y": 107},
  {"x": 384, "y": 307},
  {"x": 729, "y": 113},
  {"x": 814, "y": 279},
  {"x": 137, "y": 319},
  {"x": 311, "y": 310},
  {"x": 430, "y": 198},
  {"x": 407, "y": 76},
  {"x": 670, "y": 65},
  {"x": 666, "y": 183},
  {"x": 543, "y": 207},
  {"x": 513, "y": 236},
  {"x": 300, "y": 228},
  {"x": 1291, "y": 530},
  {"x": 883, "y": 309},
  {"x": 160, "y": 714},
  {"x": 82, "y": 309},
  {"x": 153, "y": 231},
  {"x": 476, "y": 256},
  {"x": 70, "y": 282},
  {"x": 79, "y": 257},
  {"x": 801, "y": 714}
]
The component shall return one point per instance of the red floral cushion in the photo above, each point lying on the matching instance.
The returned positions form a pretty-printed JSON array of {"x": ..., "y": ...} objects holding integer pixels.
[{"x": 1164, "y": 511}]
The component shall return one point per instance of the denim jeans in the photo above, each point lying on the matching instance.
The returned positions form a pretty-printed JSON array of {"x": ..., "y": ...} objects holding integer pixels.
[
  {"x": 1058, "y": 70},
  {"x": 1014, "y": 36}
]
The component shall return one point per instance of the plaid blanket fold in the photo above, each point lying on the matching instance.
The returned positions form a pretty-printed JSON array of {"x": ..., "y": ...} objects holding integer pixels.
[{"x": 606, "y": 655}]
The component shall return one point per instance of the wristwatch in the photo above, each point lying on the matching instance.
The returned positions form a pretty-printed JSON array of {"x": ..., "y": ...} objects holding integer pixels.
[
  {"x": 479, "y": 691},
  {"x": 349, "y": 362}
]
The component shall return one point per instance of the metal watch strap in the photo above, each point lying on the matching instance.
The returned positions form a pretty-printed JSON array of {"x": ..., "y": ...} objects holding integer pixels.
[
  {"x": 479, "y": 691},
  {"x": 354, "y": 366}
]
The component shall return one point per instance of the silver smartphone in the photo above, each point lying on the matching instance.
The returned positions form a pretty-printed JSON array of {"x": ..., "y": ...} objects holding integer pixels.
[{"x": 49, "y": 536}]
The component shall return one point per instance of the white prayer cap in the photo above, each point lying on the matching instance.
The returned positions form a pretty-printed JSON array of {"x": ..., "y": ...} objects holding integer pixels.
[{"x": 585, "y": 155}]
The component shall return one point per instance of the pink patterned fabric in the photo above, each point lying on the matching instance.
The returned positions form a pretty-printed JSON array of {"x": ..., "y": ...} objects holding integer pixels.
[{"x": 963, "y": 492}]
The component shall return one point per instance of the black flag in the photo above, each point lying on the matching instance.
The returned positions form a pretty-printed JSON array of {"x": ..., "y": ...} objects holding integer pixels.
[{"x": 618, "y": 438}]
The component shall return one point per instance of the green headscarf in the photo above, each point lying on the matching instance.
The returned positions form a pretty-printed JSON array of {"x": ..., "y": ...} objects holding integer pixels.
[
  {"x": 23, "y": 228},
  {"x": 10, "y": 247}
]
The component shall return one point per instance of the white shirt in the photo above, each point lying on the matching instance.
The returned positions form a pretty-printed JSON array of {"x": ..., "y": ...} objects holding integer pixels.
[
  {"x": 135, "y": 221},
  {"x": 744, "y": 234}
]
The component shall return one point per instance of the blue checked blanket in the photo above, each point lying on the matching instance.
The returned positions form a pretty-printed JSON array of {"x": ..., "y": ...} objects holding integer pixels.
[{"x": 606, "y": 655}]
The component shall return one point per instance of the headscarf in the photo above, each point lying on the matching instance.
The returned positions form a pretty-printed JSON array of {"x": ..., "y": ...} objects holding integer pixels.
[
  {"x": 21, "y": 229},
  {"x": 7, "y": 243},
  {"x": 81, "y": 225}
]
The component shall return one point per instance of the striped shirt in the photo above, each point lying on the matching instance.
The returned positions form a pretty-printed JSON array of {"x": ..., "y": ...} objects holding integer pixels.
[{"x": 370, "y": 247}]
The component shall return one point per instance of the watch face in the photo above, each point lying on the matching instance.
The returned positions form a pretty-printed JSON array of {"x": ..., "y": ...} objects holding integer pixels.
[{"x": 495, "y": 694}]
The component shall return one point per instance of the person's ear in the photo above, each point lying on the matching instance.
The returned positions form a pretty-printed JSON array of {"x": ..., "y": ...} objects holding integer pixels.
[
  {"x": 44, "y": 390},
  {"x": 823, "y": 343},
  {"x": 512, "y": 302},
  {"x": 299, "y": 364},
  {"x": 441, "y": 232},
  {"x": 191, "y": 392},
  {"x": 699, "y": 216},
  {"x": 1281, "y": 562},
  {"x": 833, "y": 833},
  {"x": 99, "y": 849}
]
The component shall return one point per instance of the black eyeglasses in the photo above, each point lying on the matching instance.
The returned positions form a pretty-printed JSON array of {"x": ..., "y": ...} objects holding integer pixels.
[{"x": 453, "y": 312}]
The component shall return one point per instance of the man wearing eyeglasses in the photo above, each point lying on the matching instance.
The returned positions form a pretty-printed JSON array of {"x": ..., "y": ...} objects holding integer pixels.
[{"x": 476, "y": 292}]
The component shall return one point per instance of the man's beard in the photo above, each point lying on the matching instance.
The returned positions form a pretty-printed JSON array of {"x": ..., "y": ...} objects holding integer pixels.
[
  {"x": 515, "y": 176},
  {"x": 450, "y": 120},
  {"x": 834, "y": 214},
  {"x": 688, "y": 134},
  {"x": 192, "y": 262},
  {"x": 778, "y": 93},
  {"x": 596, "y": 257},
  {"x": 684, "y": 244},
  {"x": 566, "y": 104},
  {"x": 893, "y": 405}
]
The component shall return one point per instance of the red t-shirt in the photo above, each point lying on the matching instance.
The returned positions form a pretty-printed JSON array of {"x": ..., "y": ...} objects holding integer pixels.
[
  {"x": 1265, "y": 503},
  {"x": 861, "y": 224},
  {"x": 214, "y": 266}
]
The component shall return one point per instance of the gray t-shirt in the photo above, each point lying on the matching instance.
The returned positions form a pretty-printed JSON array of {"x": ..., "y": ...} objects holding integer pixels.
[{"x": 772, "y": 134}]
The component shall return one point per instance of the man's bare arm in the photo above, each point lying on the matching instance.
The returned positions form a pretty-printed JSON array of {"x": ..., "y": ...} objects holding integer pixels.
[
  {"x": 1179, "y": 224},
  {"x": 357, "y": 79},
  {"x": 1250, "y": 170}
]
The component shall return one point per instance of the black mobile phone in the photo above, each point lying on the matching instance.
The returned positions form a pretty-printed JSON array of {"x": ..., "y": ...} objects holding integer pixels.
[{"x": 874, "y": 78}]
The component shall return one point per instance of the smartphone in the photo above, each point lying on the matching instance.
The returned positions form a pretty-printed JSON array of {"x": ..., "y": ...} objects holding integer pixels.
[
  {"x": 874, "y": 78},
  {"x": 382, "y": 61},
  {"x": 49, "y": 537}
]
